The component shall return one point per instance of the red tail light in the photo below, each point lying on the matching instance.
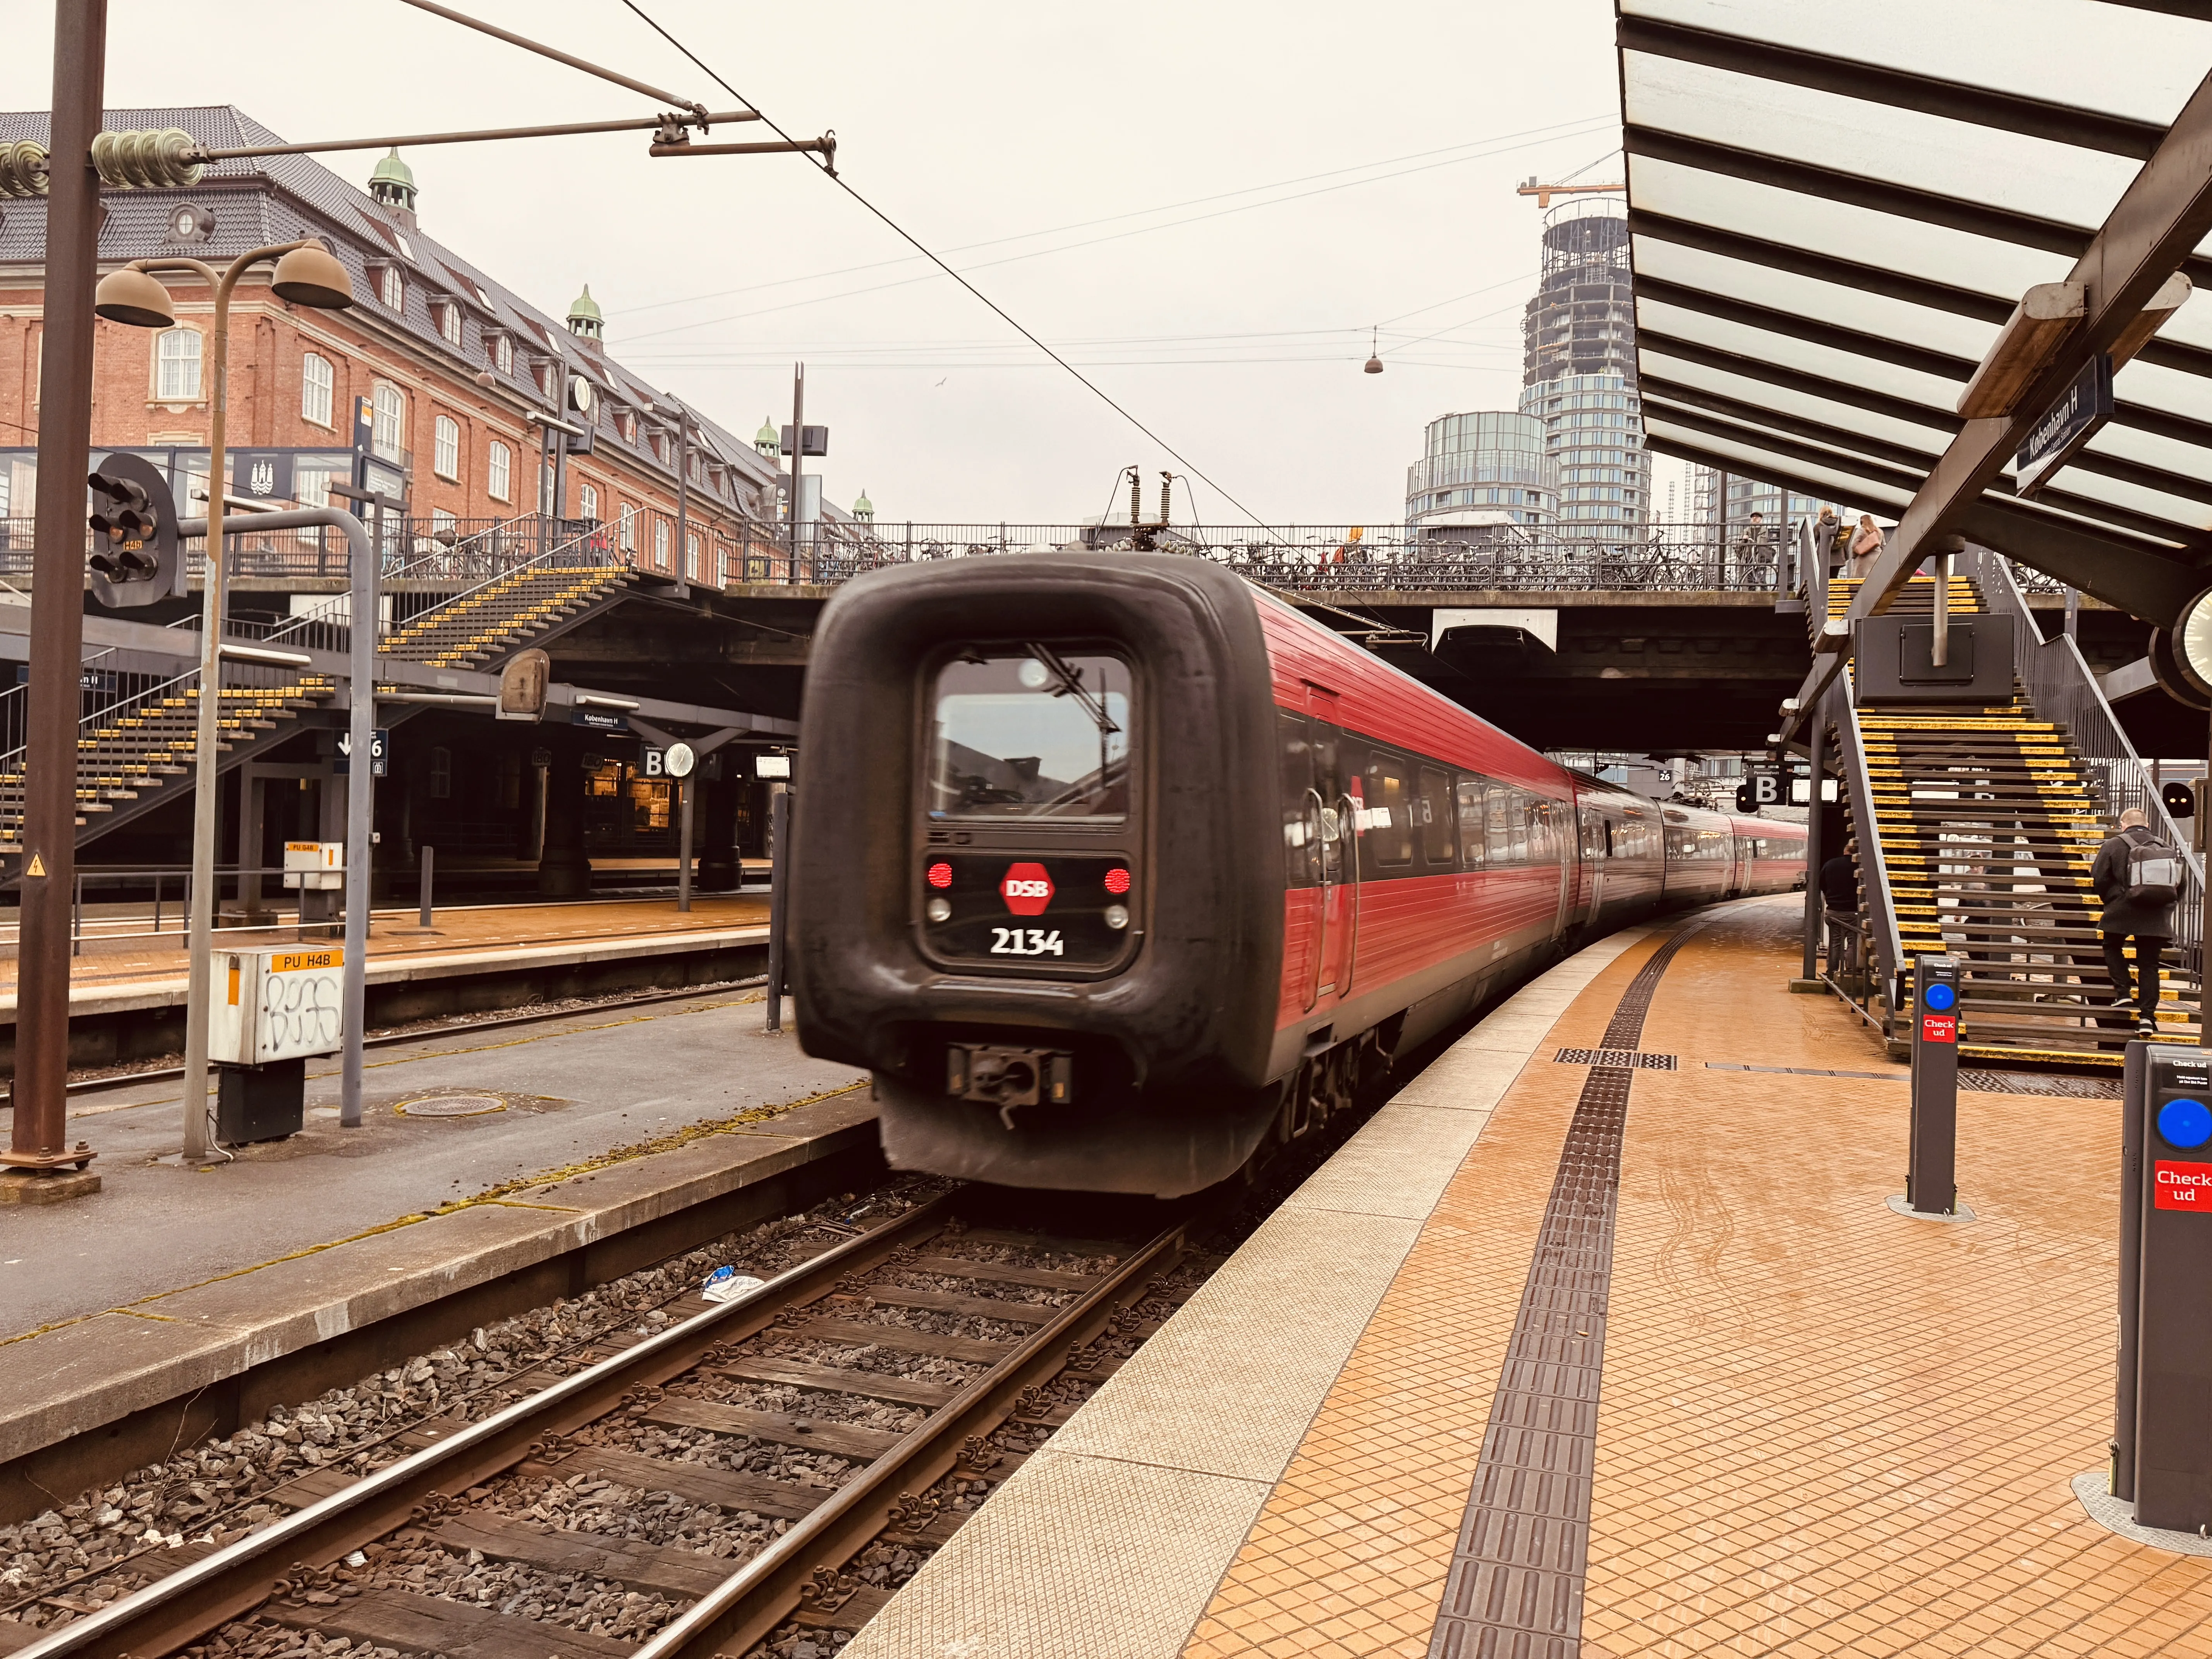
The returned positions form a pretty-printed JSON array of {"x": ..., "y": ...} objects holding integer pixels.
[
  {"x": 940, "y": 874},
  {"x": 1117, "y": 882}
]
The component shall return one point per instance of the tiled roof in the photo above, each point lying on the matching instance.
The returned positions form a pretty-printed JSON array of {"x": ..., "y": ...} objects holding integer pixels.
[{"x": 260, "y": 200}]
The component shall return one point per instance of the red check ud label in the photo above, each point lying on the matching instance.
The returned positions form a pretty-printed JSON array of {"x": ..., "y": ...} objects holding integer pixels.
[
  {"x": 2182, "y": 1186},
  {"x": 1939, "y": 1028}
]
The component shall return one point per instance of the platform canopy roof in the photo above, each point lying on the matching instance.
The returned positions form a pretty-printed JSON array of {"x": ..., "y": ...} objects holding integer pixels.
[{"x": 1834, "y": 206}]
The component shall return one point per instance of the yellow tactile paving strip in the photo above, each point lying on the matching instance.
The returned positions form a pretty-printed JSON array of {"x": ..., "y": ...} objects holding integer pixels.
[{"x": 1824, "y": 1429}]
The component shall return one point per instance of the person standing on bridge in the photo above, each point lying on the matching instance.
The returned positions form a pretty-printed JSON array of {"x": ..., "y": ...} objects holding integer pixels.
[
  {"x": 2139, "y": 878},
  {"x": 1754, "y": 556},
  {"x": 1866, "y": 546}
]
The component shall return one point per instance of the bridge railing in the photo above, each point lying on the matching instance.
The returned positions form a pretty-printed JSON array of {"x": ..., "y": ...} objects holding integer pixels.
[
  {"x": 1327, "y": 558},
  {"x": 1338, "y": 558}
]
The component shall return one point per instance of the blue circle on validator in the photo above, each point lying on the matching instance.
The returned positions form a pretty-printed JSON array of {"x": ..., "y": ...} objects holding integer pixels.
[
  {"x": 2184, "y": 1122},
  {"x": 1940, "y": 997}
]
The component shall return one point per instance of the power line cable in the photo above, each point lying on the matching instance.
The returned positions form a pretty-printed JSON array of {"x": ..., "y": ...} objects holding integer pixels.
[
  {"x": 911, "y": 240},
  {"x": 1557, "y": 129}
]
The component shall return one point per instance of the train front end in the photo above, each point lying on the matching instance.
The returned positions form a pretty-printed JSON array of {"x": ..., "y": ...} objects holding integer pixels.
[{"x": 1036, "y": 883}]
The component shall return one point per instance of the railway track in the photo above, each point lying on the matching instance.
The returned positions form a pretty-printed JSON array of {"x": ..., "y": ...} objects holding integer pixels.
[{"x": 870, "y": 1395}]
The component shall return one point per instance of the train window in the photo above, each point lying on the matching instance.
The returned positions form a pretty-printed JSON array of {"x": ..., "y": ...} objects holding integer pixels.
[
  {"x": 1390, "y": 814},
  {"x": 1469, "y": 791},
  {"x": 1593, "y": 833},
  {"x": 1031, "y": 734},
  {"x": 1435, "y": 811}
]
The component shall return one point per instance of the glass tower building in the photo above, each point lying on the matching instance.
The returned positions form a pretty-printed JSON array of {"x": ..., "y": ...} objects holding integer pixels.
[
  {"x": 1486, "y": 470},
  {"x": 1578, "y": 370}
]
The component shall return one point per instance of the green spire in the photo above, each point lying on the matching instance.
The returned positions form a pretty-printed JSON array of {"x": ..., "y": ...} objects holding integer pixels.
[
  {"x": 585, "y": 320},
  {"x": 863, "y": 508},
  {"x": 392, "y": 182}
]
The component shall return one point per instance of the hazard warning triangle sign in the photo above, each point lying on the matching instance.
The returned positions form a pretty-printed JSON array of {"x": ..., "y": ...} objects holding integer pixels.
[{"x": 38, "y": 866}]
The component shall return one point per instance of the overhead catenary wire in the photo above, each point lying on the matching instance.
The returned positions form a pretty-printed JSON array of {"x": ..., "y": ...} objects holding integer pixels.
[
  {"x": 1557, "y": 128},
  {"x": 915, "y": 242}
]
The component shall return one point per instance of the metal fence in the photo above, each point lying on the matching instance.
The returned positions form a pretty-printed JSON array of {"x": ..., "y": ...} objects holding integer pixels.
[
  {"x": 1333, "y": 558},
  {"x": 1345, "y": 558}
]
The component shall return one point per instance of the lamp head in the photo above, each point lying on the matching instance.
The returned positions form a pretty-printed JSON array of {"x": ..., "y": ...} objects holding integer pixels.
[
  {"x": 312, "y": 275},
  {"x": 129, "y": 295}
]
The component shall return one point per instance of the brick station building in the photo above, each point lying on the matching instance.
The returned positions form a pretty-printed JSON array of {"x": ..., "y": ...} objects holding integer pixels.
[{"x": 425, "y": 390}]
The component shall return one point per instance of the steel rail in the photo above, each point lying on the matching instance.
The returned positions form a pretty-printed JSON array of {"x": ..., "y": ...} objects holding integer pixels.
[
  {"x": 180, "y": 1608},
  {"x": 765, "y": 1591}
]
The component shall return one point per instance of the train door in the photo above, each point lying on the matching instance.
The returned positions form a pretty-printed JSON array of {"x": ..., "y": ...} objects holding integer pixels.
[
  {"x": 1331, "y": 817},
  {"x": 1559, "y": 843},
  {"x": 1594, "y": 852}
]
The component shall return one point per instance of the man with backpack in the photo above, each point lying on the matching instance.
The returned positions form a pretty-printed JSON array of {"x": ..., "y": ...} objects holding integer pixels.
[{"x": 2139, "y": 876}]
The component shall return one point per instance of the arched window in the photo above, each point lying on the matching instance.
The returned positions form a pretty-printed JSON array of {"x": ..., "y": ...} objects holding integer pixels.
[
  {"x": 392, "y": 289},
  {"x": 388, "y": 430},
  {"x": 587, "y": 501},
  {"x": 445, "y": 453},
  {"x": 177, "y": 365},
  {"x": 660, "y": 544},
  {"x": 316, "y": 380},
  {"x": 692, "y": 572},
  {"x": 629, "y": 529},
  {"x": 498, "y": 478}
]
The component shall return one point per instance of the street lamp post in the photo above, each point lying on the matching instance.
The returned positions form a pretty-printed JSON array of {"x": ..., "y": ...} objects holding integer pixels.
[{"x": 307, "y": 274}]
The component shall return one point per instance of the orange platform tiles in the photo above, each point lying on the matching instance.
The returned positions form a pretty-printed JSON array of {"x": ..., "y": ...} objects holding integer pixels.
[{"x": 1655, "y": 1370}]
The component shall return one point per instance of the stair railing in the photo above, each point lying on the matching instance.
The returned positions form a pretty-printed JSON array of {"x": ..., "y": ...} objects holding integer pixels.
[
  {"x": 597, "y": 540},
  {"x": 1874, "y": 872},
  {"x": 2062, "y": 688}
]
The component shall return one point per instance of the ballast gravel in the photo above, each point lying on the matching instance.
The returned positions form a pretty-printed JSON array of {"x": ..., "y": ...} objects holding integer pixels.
[{"x": 111, "y": 1540}]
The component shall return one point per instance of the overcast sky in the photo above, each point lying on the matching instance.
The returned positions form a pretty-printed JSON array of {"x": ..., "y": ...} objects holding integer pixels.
[{"x": 1205, "y": 207}]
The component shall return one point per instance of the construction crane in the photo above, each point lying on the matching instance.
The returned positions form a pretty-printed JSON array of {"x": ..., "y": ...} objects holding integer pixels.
[{"x": 1544, "y": 193}]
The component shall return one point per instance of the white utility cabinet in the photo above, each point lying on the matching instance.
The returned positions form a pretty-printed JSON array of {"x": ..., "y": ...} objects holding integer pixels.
[
  {"x": 276, "y": 1002},
  {"x": 314, "y": 865}
]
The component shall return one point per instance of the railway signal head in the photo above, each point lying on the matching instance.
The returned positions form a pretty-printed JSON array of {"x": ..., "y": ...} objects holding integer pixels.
[{"x": 135, "y": 557}]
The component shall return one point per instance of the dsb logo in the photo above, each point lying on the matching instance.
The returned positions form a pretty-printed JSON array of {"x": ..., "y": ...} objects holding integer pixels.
[{"x": 1027, "y": 888}]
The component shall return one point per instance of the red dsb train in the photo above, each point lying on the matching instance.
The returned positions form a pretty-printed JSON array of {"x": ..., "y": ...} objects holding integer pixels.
[{"x": 1115, "y": 870}]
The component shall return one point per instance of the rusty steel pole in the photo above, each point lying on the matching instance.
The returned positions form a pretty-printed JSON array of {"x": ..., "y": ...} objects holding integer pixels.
[{"x": 40, "y": 1138}]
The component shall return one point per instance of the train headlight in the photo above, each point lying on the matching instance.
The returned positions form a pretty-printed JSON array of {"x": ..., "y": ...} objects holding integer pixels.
[
  {"x": 939, "y": 909},
  {"x": 1117, "y": 916}
]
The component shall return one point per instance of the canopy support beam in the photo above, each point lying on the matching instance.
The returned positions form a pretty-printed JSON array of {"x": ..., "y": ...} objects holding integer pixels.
[{"x": 2164, "y": 212}]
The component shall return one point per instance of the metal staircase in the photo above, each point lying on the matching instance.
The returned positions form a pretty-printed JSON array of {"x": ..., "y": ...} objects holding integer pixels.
[
  {"x": 1975, "y": 829},
  {"x": 134, "y": 752},
  {"x": 489, "y": 622},
  {"x": 129, "y": 751}
]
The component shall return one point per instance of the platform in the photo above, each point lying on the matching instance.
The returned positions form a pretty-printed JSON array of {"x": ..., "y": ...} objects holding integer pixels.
[
  {"x": 136, "y": 965},
  {"x": 1463, "y": 1395}
]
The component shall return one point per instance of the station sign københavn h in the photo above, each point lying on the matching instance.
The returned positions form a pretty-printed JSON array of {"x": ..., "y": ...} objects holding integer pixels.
[{"x": 2085, "y": 406}]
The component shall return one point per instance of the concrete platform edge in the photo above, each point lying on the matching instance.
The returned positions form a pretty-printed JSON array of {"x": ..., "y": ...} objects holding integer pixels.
[
  {"x": 136, "y": 995},
  {"x": 1113, "y": 1537},
  {"x": 88, "y": 1401}
]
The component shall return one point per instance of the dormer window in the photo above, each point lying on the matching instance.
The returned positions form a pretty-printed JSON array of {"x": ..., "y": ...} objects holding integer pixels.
[
  {"x": 449, "y": 320},
  {"x": 628, "y": 424},
  {"x": 502, "y": 353},
  {"x": 391, "y": 288}
]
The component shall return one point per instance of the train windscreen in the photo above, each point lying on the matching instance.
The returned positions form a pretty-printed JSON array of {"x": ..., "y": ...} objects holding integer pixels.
[{"x": 1030, "y": 734}]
